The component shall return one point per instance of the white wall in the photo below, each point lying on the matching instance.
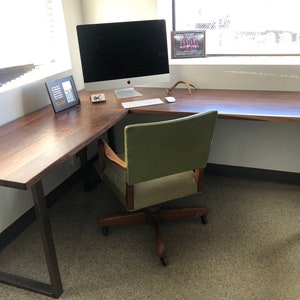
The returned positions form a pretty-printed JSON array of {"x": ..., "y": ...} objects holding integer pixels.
[
  {"x": 241, "y": 143},
  {"x": 73, "y": 17},
  {"x": 95, "y": 11}
]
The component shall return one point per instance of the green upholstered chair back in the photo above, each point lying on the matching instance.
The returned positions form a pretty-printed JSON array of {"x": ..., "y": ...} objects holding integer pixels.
[{"x": 158, "y": 149}]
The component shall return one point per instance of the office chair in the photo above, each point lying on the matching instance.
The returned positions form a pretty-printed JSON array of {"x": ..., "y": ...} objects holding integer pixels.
[{"x": 162, "y": 161}]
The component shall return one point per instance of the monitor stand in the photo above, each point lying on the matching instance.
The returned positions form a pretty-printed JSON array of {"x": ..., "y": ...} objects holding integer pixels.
[{"x": 127, "y": 93}]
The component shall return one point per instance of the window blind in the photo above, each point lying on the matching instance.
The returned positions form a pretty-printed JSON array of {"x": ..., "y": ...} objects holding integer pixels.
[{"x": 31, "y": 36}]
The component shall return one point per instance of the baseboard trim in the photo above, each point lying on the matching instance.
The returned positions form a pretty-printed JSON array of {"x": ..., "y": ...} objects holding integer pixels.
[
  {"x": 10, "y": 233},
  {"x": 253, "y": 174}
]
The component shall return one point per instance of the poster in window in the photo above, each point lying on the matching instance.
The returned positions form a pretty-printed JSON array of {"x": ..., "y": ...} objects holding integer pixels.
[
  {"x": 63, "y": 93},
  {"x": 188, "y": 44}
]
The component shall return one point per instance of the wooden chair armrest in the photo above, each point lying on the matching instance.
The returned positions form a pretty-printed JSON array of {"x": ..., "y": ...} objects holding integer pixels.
[{"x": 111, "y": 155}]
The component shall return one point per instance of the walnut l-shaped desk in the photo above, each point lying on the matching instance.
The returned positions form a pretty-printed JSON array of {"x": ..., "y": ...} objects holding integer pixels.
[{"x": 34, "y": 145}]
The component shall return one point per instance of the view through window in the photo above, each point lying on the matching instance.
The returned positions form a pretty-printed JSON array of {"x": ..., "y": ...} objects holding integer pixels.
[{"x": 256, "y": 27}]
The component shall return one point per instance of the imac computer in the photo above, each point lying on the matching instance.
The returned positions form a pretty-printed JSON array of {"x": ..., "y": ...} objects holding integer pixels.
[{"x": 122, "y": 55}]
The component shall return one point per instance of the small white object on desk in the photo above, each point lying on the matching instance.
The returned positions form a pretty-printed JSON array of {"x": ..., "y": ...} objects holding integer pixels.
[
  {"x": 96, "y": 98},
  {"x": 144, "y": 102},
  {"x": 170, "y": 99}
]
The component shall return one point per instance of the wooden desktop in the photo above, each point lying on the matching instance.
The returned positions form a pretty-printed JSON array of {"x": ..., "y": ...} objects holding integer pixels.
[
  {"x": 34, "y": 145},
  {"x": 230, "y": 104}
]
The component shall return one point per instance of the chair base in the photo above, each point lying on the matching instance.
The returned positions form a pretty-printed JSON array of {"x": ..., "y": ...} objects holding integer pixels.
[{"x": 154, "y": 217}]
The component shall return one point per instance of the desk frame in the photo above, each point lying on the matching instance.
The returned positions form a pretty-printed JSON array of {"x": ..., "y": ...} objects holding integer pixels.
[
  {"x": 96, "y": 119},
  {"x": 54, "y": 289}
]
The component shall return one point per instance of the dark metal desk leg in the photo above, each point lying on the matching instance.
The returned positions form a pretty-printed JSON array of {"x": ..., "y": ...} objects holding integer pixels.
[
  {"x": 54, "y": 289},
  {"x": 111, "y": 138},
  {"x": 89, "y": 179},
  {"x": 47, "y": 238}
]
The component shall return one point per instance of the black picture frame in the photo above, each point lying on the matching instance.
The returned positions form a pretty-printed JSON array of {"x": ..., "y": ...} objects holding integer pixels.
[
  {"x": 188, "y": 44},
  {"x": 62, "y": 93}
]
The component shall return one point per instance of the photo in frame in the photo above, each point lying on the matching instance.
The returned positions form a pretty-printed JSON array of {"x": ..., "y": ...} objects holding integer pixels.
[
  {"x": 63, "y": 93},
  {"x": 188, "y": 44}
]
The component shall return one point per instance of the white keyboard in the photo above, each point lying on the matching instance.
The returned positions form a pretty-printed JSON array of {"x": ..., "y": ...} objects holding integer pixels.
[{"x": 139, "y": 103}]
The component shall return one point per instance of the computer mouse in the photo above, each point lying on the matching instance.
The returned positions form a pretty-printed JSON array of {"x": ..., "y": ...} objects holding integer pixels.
[{"x": 170, "y": 99}]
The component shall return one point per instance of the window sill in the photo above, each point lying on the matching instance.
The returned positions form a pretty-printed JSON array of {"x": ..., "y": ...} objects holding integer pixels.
[{"x": 239, "y": 60}]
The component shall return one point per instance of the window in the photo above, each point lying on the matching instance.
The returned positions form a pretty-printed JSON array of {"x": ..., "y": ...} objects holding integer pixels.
[
  {"x": 256, "y": 27},
  {"x": 33, "y": 39}
]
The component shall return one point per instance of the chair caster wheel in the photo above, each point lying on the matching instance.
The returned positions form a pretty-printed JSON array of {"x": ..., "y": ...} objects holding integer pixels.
[
  {"x": 105, "y": 231},
  {"x": 164, "y": 261},
  {"x": 204, "y": 220}
]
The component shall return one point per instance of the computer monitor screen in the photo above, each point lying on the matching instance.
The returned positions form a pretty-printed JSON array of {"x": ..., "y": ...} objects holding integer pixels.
[{"x": 123, "y": 54}]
